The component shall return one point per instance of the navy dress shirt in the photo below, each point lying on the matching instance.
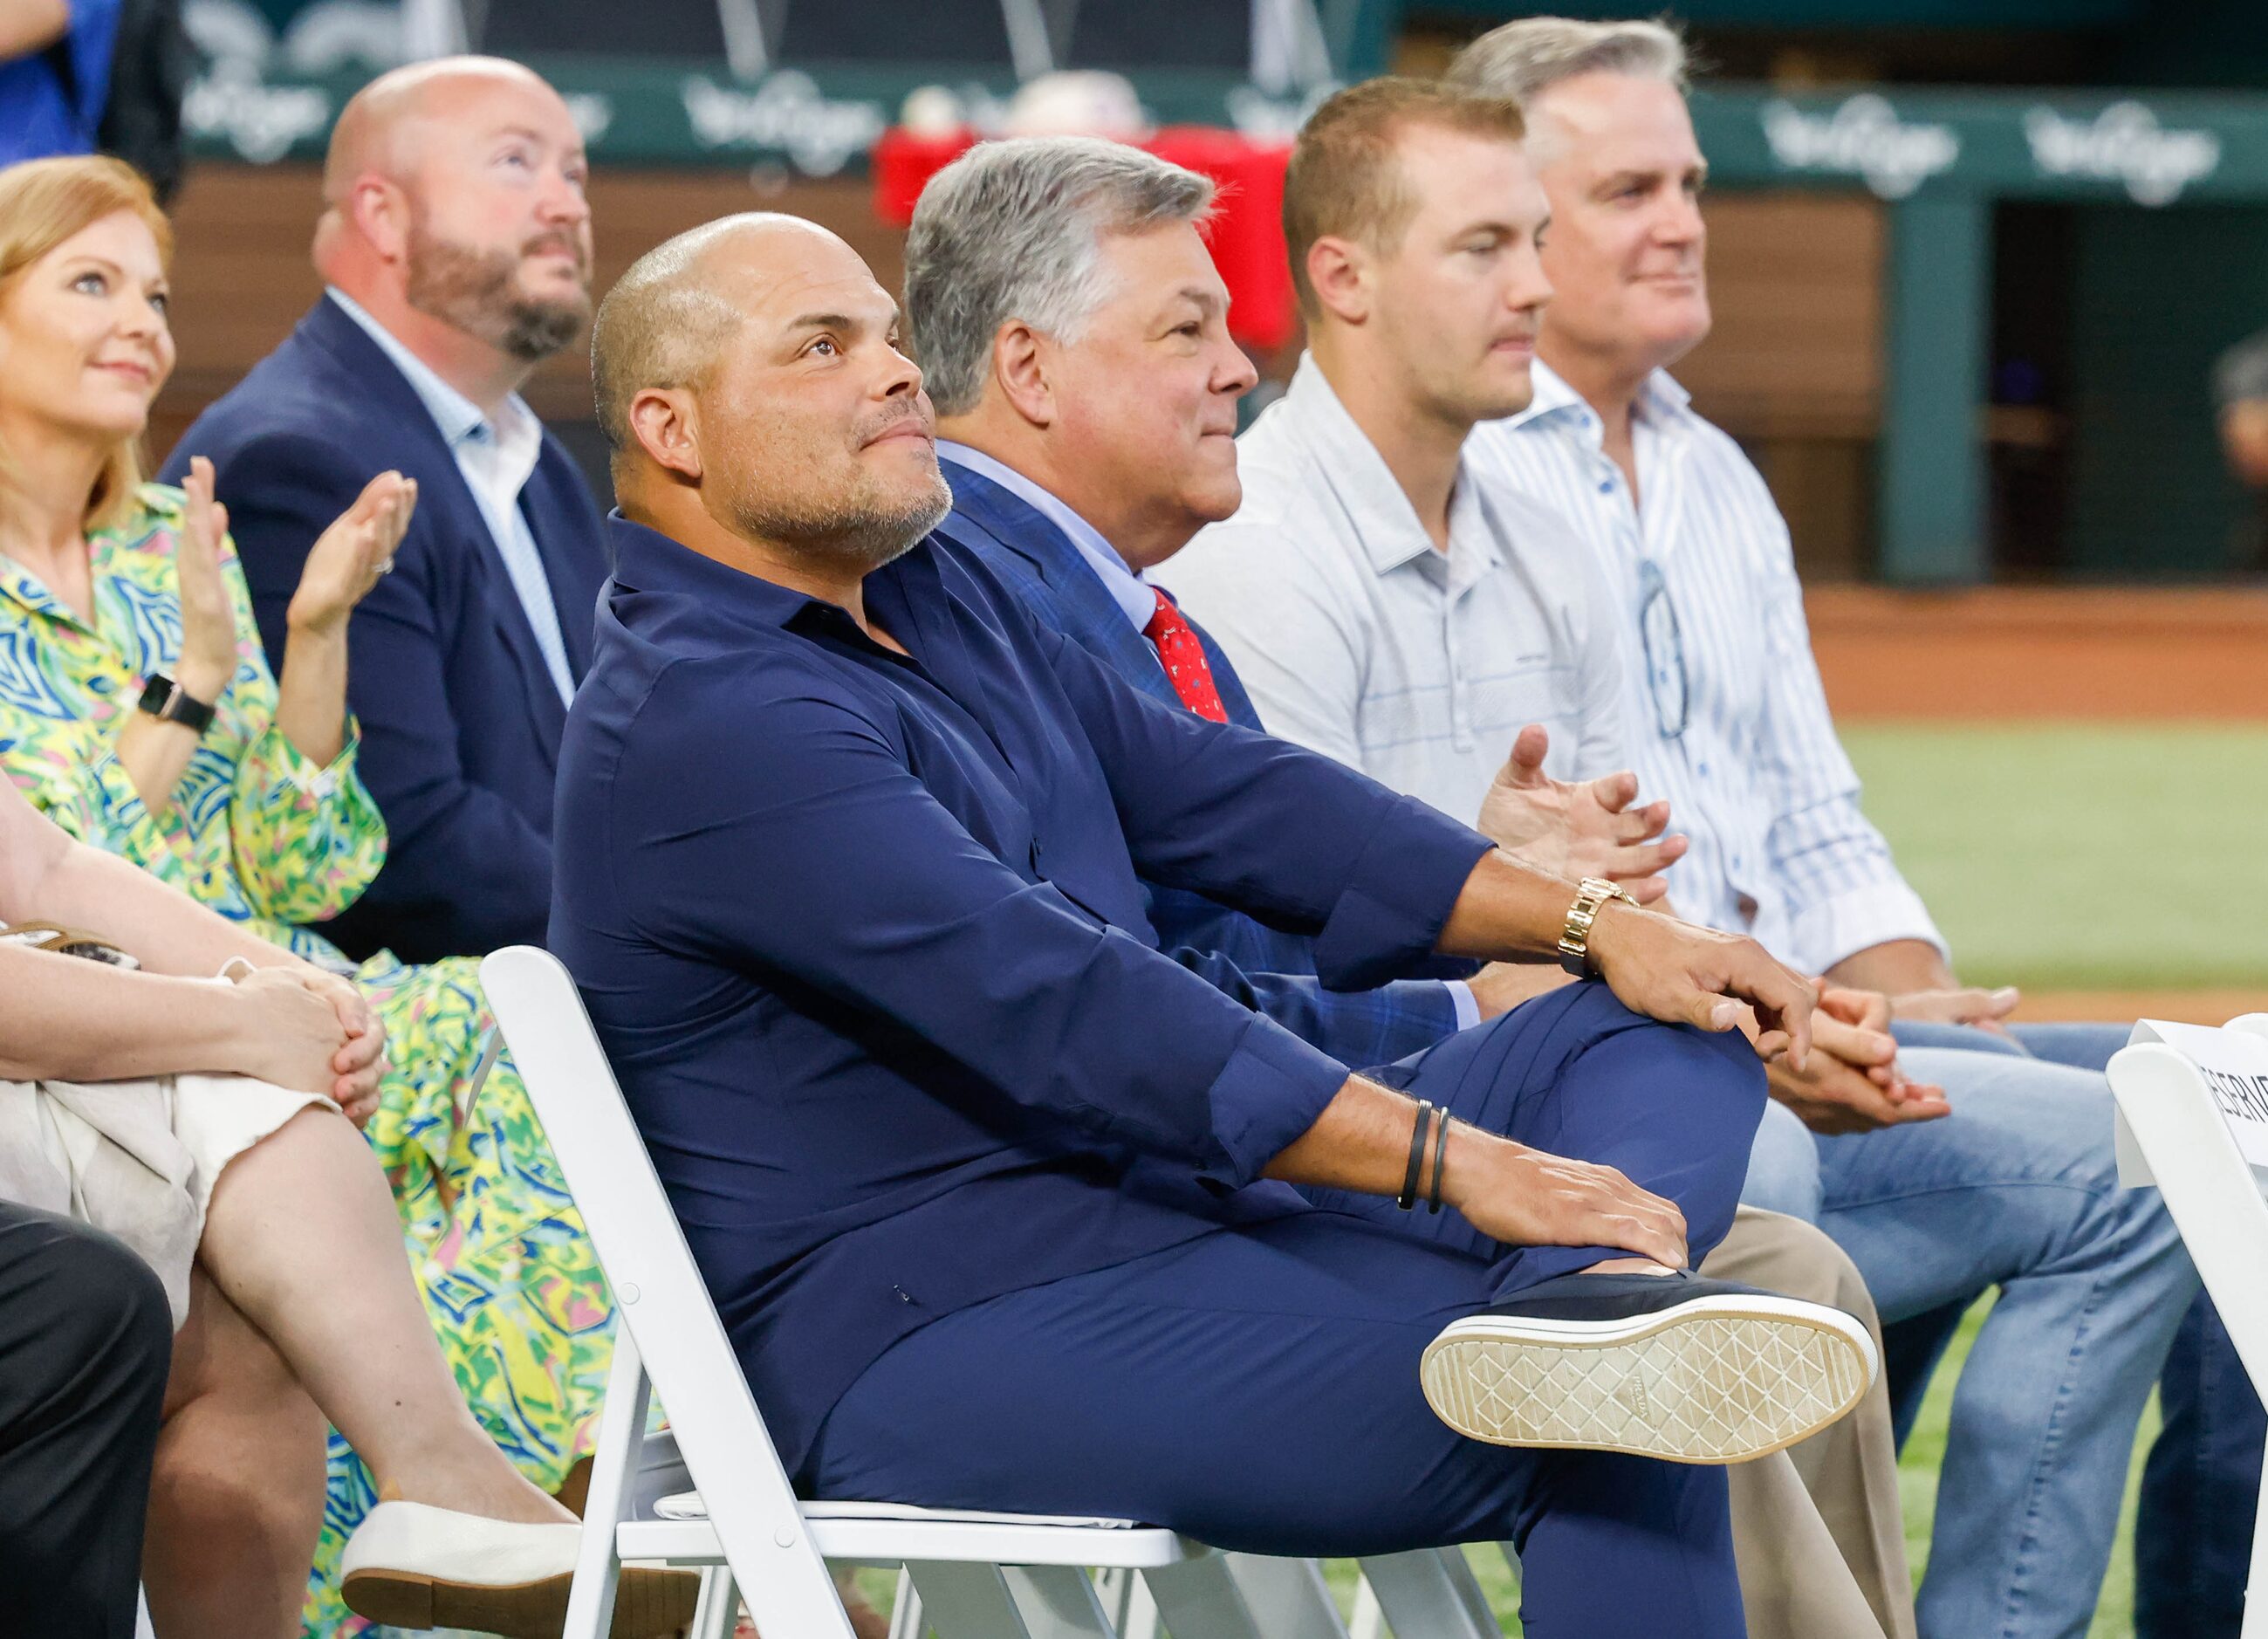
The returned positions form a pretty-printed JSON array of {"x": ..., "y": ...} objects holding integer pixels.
[{"x": 864, "y": 937}]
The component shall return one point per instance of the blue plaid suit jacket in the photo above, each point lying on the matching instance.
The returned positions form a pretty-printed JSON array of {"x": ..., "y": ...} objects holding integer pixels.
[{"x": 1271, "y": 971}]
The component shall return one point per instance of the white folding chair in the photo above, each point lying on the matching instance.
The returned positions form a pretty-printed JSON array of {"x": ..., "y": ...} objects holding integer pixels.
[
  {"x": 2215, "y": 1199},
  {"x": 978, "y": 1575}
]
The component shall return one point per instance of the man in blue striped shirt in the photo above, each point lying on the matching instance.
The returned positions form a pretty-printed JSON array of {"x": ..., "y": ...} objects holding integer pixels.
[{"x": 1728, "y": 722}]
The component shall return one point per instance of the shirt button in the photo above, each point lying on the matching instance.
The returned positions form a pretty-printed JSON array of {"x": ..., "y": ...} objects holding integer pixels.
[{"x": 1605, "y": 486}]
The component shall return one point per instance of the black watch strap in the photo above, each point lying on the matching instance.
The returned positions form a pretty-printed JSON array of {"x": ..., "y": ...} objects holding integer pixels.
[{"x": 167, "y": 701}]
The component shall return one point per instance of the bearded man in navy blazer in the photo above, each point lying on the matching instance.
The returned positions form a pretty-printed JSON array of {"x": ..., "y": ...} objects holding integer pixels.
[
  {"x": 849, "y": 849},
  {"x": 456, "y": 252}
]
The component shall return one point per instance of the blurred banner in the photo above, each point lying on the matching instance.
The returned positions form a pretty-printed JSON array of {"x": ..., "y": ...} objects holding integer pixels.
[{"x": 2152, "y": 149}]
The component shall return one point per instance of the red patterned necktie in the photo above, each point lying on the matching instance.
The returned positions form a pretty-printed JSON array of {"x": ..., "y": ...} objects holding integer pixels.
[{"x": 1184, "y": 658}]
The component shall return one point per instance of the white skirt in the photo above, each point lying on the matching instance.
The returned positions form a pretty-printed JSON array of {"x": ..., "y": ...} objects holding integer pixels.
[{"x": 139, "y": 1159}]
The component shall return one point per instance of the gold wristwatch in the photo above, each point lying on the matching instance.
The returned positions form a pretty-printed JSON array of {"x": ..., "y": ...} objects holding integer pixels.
[{"x": 1575, "y": 942}]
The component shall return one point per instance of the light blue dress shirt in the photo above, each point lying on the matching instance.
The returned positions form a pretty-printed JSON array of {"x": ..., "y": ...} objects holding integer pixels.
[
  {"x": 497, "y": 455},
  {"x": 1132, "y": 593}
]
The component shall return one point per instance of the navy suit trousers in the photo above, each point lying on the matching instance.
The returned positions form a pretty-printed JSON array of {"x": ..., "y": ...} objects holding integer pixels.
[
  {"x": 84, "y": 1343},
  {"x": 1257, "y": 1388}
]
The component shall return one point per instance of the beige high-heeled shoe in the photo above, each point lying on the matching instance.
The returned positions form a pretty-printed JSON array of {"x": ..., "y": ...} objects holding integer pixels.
[{"x": 413, "y": 1565}]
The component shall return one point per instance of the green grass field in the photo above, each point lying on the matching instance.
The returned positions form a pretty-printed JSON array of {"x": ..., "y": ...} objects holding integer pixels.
[{"x": 2084, "y": 858}]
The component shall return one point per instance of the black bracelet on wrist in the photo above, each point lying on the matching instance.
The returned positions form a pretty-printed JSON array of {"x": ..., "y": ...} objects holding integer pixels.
[
  {"x": 1440, "y": 1155},
  {"x": 1408, "y": 1196}
]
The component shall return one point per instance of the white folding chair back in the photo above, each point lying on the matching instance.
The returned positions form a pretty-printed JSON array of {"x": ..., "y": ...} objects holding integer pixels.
[
  {"x": 2215, "y": 1201},
  {"x": 996, "y": 1577}
]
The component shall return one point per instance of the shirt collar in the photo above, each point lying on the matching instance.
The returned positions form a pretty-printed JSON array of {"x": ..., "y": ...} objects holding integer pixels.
[
  {"x": 1660, "y": 400},
  {"x": 514, "y": 427},
  {"x": 1135, "y": 597},
  {"x": 646, "y": 560},
  {"x": 710, "y": 607},
  {"x": 1385, "y": 523}
]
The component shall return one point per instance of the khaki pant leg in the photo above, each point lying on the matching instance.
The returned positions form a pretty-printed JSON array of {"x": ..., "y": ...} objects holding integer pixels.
[{"x": 1849, "y": 1470}]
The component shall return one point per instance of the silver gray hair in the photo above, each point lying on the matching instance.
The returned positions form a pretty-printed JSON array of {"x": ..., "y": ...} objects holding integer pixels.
[
  {"x": 1523, "y": 59},
  {"x": 1014, "y": 230}
]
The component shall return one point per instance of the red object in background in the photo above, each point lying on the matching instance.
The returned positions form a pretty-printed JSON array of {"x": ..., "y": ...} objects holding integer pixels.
[{"x": 1247, "y": 232}]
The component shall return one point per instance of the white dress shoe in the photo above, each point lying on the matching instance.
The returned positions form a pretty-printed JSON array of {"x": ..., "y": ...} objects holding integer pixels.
[{"x": 412, "y": 1565}]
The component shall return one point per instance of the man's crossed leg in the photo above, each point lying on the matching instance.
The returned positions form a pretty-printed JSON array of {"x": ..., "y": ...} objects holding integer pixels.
[{"x": 1258, "y": 1387}]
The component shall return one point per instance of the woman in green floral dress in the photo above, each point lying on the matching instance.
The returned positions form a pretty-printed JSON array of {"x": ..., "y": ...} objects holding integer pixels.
[{"x": 104, "y": 584}]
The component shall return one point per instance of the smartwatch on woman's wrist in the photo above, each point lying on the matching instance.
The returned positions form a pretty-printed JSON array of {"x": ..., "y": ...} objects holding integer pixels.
[{"x": 170, "y": 702}]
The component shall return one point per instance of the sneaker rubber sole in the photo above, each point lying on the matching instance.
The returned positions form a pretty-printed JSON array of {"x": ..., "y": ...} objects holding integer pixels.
[
  {"x": 648, "y": 1604},
  {"x": 1715, "y": 1380}
]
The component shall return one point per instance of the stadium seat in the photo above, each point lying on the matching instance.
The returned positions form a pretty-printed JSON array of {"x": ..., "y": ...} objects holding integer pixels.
[
  {"x": 940, "y": 35},
  {"x": 670, "y": 29},
  {"x": 1183, "y": 34},
  {"x": 2215, "y": 1199}
]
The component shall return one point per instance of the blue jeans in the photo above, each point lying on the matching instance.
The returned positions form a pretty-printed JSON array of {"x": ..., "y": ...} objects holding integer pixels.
[
  {"x": 2200, "y": 1490},
  {"x": 1257, "y": 1387},
  {"x": 2016, "y": 1189}
]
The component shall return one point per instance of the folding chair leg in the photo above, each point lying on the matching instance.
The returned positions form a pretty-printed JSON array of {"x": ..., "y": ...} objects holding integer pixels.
[
  {"x": 1369, "y": 1621},
  {"x": 1199, "y": 1599},
  {"x": 965, "y": 1601},
  {"x": 1288, "y": 1598},
  {"x": 1431, "y": 1594},
  {"x": 715, "y": 1616},
  {"x": 1126, "y": 1602},
  {"x": 2256, "y": 1589},
  {"x": 906, "y": 1620},
  {"x": 622, "y": 1432},
  {"x": 1058, "y": 1602}
]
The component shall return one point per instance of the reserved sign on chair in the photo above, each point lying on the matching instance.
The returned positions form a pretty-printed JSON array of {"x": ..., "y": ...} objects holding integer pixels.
[{"x": 2233, "y": 1064}]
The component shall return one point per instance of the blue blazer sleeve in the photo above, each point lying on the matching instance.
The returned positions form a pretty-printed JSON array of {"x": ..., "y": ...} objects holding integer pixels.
[
  {"x": 1272, "y": 829},
  {"x": 812, "y": 854},
  {"x": 459, "y": 853},
  {"x": 1270, "y": 971},
  {"x": 1358, "y": 1028}
]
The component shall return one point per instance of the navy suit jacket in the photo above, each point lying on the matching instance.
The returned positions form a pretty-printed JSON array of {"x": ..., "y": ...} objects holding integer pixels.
[
  {"x": 459, "y": 716},
  {"x": 1026, "y": 549},
  {"x": 863, "y": 935}
]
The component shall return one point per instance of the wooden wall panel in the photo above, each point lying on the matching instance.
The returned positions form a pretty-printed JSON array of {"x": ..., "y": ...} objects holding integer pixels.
[{"x": 1796, "y": 281}]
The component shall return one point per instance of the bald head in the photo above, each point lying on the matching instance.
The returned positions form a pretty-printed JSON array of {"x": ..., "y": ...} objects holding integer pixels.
[
  {"x": 455, "y": 195},
  {"x": 668, "y": 319},
  {"x": 384, "y": 126},
  {"x": 747, "y": 372}
]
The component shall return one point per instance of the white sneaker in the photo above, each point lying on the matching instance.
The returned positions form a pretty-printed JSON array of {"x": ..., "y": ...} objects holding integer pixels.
[
  {"x": 1680, "y": 1367},
  {"x": 411, "y": 1565}
]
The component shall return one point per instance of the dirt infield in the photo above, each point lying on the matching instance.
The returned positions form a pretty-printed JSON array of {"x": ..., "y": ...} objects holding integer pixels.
[
  {"x": 2007, "y": 654},
  {"x": 2183, "y": 1007}
]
